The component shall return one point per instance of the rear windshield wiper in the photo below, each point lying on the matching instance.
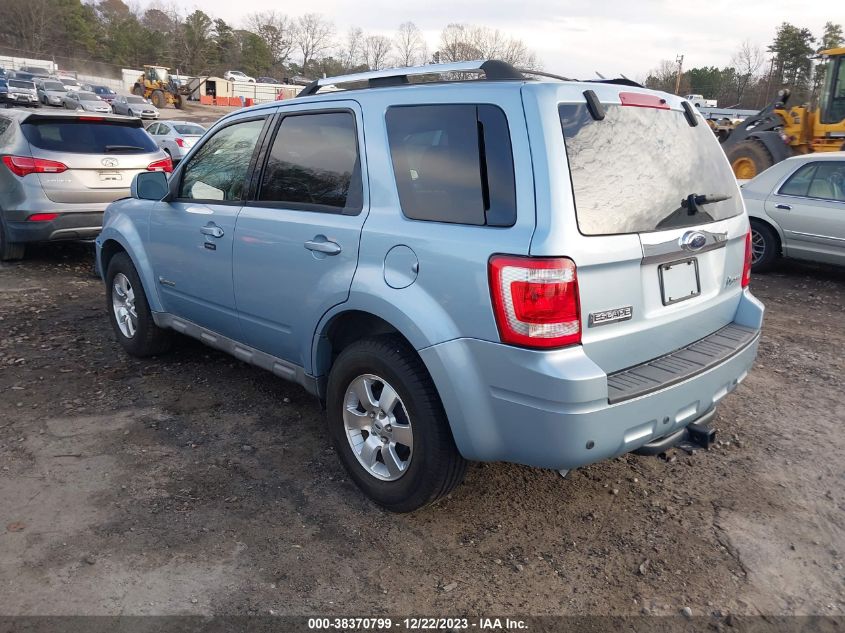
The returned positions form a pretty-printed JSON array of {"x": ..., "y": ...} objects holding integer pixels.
[
  {"x": 694, "y": 200},
  {"x": 124, "y": 148}
]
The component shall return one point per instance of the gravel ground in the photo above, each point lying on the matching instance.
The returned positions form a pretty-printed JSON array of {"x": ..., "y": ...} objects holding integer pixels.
[{"x": 195, "y": 484}]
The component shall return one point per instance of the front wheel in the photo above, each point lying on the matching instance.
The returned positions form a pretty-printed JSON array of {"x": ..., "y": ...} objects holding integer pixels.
[
  {"x": 389, "y": 427},
  {"x": 129, "y": 311},
  {"x": 765, "y": 247}
]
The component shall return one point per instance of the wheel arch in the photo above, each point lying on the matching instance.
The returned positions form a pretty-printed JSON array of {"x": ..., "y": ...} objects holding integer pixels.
[
  {"x": 775, "y": 229},
  {"x": 121, "y": 235}
]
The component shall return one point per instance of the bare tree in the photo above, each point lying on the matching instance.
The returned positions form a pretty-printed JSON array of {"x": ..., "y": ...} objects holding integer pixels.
[
  {"x": 277, "y": 31},
  {"x": 376, "y": 51},
  {"x": 463, "y": 42},
  {"x": 352, "y": 51},
  {"x": 747, "y": 61},
  {"x": 313, "y": 36},
  {"x": 411, "y": 49},
  {"x": 663, "y": 77}
]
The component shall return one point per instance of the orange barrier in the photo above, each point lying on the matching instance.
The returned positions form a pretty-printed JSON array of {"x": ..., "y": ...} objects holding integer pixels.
[{"x": 206, "y": 100}]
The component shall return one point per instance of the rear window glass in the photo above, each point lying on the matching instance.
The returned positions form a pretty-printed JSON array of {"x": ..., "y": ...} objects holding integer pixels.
[
  {"x": 631, "y": 171},
  {"x": 87, "y": 137},
  {"x": 453, "y": 163},
  {"x": 189, "y": 129}
]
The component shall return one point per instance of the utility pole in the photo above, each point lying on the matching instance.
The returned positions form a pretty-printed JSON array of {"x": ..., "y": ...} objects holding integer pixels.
[{"x": 679, "y": 60}]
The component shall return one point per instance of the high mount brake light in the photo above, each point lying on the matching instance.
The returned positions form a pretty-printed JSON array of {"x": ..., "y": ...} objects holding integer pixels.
[
  {"x": 642, "y": 100},
  {"x": 535, "y": 300},
  {"x": 25, "y": 165}
]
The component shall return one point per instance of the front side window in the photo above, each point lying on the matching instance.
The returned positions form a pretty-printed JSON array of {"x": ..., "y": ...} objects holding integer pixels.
[
  {"x": 453, "y": 163},
  {"x": 217, "y": 171},
  {"x": 824, "y": 180},
  {"x": 314, "y": 164}
]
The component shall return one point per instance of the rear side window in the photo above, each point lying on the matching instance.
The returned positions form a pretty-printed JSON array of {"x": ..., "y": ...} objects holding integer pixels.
[
  {"x": 631, "y": 171},
  {"x": 824, "y": 180},
  {"x": 314, "y": 164},
  {"x": 217, "y": 170},
  {"x": 453, "y": 163},
  {"x": 78, "y": 136}
]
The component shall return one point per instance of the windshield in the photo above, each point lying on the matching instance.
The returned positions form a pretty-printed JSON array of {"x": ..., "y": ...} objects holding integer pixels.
[
  {"x": 104, "y": 91},
  {"x": 69, "y": 82},
  {"x": 88, "y": 96},
  {"x": 189, "y": 129},
  {"x": 17, "y": 83},
  {"x": 633, "y": 171},
  {"x": 134, "y": 100},
  {"x": 53, "y": 85},
  {"x": 86, "y": 137}
]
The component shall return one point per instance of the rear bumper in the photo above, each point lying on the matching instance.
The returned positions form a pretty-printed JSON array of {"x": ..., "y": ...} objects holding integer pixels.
[
  {"x": 68, "y": 226},
  {"x": 551, "y": 409}
]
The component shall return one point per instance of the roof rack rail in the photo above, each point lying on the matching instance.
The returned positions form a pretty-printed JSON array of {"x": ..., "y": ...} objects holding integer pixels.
[{"x": 493, "y": 69}]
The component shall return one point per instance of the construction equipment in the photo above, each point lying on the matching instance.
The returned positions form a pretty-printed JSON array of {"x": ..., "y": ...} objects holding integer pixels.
[
  {"x": 157, "y": 85},
  {"x": 779, "y": 131}
]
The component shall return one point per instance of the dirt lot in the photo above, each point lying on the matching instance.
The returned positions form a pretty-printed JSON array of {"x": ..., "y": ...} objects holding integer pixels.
[{"x": 196, "y": 484}]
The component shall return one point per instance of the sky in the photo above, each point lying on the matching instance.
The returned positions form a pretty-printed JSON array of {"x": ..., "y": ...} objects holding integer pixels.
[{"x": 574, "y": 38}]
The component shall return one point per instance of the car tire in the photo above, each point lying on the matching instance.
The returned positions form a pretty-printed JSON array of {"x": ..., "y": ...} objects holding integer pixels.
[
  {"x": 418, "y": 474},
  {"x": 10, "y": 251},
  {"x": 764, "y": 240},
  {"x": 129, "y": 312},
  {"x": 749, "y": 159}
]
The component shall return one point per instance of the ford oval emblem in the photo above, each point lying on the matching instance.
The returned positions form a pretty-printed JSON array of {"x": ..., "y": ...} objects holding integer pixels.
[
  {"x": 693, "y": 241},
  {"x": 109, "y": 162}
]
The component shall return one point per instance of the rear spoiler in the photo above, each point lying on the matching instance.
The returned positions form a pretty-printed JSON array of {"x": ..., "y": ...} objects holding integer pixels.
[{"x": 102, "y": 118}]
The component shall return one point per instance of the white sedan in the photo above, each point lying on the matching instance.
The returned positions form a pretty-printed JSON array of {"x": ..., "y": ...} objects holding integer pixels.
[
  {"x": 237, "y": 75},
  {"x": 797, "y": 209},
  {"x": 176, "y": 137}
]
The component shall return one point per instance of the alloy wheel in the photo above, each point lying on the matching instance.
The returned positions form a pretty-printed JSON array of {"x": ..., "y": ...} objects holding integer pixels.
[{"x": 123, "y": 305}]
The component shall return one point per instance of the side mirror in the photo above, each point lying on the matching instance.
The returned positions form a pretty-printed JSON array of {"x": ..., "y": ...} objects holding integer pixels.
[{"x": 149, "y": 185}]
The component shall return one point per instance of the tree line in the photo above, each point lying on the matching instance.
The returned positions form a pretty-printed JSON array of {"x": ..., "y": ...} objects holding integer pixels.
[
  {"x": 755, "y": 75},
  {"x": 268, "y": 43}
]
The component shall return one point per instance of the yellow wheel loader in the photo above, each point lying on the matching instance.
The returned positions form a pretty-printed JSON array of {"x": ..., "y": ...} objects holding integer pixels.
[
  {"x": 780, "y": 131},
  {"x": 158, "y": 86}
]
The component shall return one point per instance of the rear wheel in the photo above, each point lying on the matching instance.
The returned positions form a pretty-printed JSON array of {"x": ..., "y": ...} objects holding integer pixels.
[
  {"x": 749, "y": 158},
  {"x": 158, "y": 99},
  {"x": 177, "y": 101},
  {"x": 389, "y": 427},
  {"x": 10, "y": 251},
  {"x": 765, "y": 247},
  {"x": 129, "y": 312}
]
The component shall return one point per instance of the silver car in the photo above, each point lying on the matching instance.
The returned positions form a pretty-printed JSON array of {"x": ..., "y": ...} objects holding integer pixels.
[
  {"x": 51, "y": 92},
  {"x": 59, "y": 171},
  {"x": 176, "y": 137},
  {"x": 797, "y": 210},
  {"x": 87, "y": 101},
  {"x": 134, "y": 105},
  {"x": 22, "y": 93}
]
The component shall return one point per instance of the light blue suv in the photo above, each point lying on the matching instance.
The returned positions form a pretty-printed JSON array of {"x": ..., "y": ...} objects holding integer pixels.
[{"x": 545, "y": 272}]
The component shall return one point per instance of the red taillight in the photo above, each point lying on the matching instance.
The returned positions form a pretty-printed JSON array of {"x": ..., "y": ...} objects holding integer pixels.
[
  {"x": 91, "y": 118},
  {"x": 42, "y": 217},
  {"x": 24, "y": 165},
  {"x": 165, "y": 165},
  {"x": 180, "y": 142},
  {"x": 642, "y": 100},
  {"x": 535, "y": 300},
  {"x": 746, "y": 267}
]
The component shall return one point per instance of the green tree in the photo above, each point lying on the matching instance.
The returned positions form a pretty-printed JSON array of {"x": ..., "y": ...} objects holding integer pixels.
[
  {"x": 832, "y": 36},
  {"x": 793, "y": 50},
  {"x": 198, "y": 45},
  {"x": 256, "y": 56}
]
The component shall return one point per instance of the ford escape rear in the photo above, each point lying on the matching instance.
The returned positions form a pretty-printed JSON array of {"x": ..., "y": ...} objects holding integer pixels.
[{"x": 550, "y": 273}]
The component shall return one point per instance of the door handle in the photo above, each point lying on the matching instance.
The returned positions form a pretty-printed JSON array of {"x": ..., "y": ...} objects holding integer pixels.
[
  {"x": 212, "y": 229},
  {"x": 785, "y": 207},
  {"x": 322, "y": 245}
]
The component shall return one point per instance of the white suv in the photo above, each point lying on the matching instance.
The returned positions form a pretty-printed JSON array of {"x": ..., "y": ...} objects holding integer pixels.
[{"x": 237, "y": 75}]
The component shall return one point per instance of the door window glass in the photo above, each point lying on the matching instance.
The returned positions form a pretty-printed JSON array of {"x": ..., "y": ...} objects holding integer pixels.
[
  {"x": 314, "y": 164},
  {"x": 824, "y": 180},
  {"x": 218, "y": 170}
]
